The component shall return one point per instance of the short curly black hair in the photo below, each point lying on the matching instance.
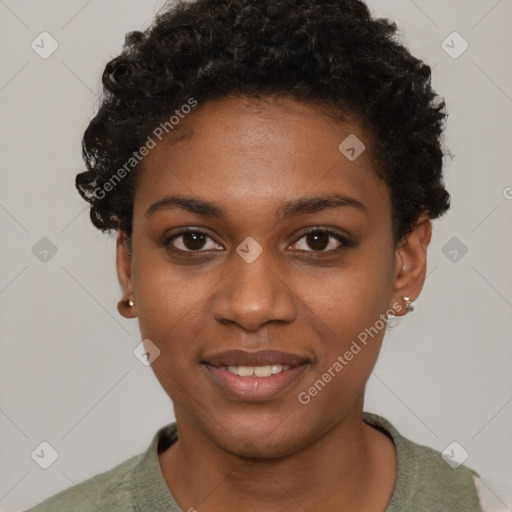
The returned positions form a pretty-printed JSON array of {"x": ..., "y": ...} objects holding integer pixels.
[{"x": 331, "y": 54}]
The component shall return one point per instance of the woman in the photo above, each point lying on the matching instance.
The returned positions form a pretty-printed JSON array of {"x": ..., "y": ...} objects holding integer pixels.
[{"x": 271, "y": 169}]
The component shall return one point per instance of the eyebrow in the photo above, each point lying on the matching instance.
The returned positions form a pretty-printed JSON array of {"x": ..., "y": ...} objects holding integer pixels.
[{"x": 295, "y": 207}]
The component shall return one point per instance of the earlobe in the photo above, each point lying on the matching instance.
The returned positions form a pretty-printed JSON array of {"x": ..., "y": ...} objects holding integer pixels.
[
  {"x": 125, "y": 306},
  {"x": 411, "y": 264}
]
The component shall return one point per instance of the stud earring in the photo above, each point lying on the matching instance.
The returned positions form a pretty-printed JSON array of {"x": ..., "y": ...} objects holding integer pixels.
[
  {"x": 130, "y": 303},
  {"x": 409, "y": 304}
]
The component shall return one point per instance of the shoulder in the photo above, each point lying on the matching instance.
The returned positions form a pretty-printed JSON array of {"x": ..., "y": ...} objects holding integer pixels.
[
  {"x": 426, "y": 478},
  {"x": 110, "y": 490},
  {"x": 129, "y": 486}
]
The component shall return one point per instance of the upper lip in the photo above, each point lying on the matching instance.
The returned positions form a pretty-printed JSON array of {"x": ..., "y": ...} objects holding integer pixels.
[{"x": 258, "y": 358}]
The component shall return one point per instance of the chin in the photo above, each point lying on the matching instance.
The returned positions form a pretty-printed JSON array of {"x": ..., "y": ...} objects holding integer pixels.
[
  {"x": 261, "y": 436},
  {"x": 250, "y": 447}
]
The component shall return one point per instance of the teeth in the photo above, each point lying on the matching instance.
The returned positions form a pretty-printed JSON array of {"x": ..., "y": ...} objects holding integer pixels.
[
  {"x": 245, "y": 371},
  {"x": 276, "y": 368},
  {"x": 256, "y": 371},
  {"x": 262, "y": 371}
]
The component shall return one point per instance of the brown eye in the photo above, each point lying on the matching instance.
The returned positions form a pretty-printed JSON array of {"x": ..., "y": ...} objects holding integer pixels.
[
  {"x": 319, "y": 240},
  {"x": 191, "y": 241},
  {"x": 194, "y": 241}
]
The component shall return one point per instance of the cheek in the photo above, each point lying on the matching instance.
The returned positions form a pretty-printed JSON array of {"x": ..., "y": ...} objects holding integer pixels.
[
  {"x": 352, "y": 299},
  {"x": 353, "y": 306},
  {"x": 170, "y": 317},
  {"x": 165, "y": 292},
  {"x": 348, "y": 355},
  {"x": 345, "y": 361}
]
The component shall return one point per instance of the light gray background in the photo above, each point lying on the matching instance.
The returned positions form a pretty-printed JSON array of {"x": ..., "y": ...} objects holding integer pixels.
[{"x": 68, "y": 375}]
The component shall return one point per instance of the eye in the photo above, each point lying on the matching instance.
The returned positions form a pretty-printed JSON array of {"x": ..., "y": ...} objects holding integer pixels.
[
  {"x": 191, "y": 240},
  {"x": 318, "y": 240}
]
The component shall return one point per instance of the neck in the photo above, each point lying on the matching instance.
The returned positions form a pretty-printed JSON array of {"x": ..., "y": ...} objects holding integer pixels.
[{"x": 352, "y": 464}]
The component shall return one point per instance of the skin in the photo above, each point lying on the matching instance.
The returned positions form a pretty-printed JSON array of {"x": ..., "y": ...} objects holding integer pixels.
[{"x": 250, "y": 157}]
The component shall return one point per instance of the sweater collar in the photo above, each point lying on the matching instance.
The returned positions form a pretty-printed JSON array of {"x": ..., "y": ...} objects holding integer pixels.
[{"x": 151, "y": 492}]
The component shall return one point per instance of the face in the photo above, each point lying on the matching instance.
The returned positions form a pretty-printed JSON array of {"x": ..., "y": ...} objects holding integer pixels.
[{"x": 260, "y": 255}]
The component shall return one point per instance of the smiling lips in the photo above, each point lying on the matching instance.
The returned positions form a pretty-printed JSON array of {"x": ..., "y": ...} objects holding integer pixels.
[{"x": 255, "y": 376}]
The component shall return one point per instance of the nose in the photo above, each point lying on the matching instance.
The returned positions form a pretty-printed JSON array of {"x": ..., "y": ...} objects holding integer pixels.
[{"x": 252, "y": 294}]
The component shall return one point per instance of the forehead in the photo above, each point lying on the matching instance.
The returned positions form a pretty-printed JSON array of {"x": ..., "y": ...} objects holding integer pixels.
[{"x": 259, "y": 154}]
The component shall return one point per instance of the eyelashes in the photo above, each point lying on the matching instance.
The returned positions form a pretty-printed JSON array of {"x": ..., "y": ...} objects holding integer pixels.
[
  {"x": 197, "y": 237},
  {"x": 324, "y": 234},
  {"x": 193, "y": 241}
]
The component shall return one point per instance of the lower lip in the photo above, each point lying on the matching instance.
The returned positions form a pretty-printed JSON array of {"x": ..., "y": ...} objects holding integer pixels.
[{"x": 255, "y": 389}]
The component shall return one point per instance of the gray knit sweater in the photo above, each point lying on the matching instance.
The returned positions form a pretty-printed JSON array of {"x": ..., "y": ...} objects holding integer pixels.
[{"x": 425, "y": 482}]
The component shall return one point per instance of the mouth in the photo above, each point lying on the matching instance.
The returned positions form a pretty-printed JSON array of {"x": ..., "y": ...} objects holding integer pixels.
[
  {"x": 256, "y": 371},
  {"x": 255, "y": 376}
]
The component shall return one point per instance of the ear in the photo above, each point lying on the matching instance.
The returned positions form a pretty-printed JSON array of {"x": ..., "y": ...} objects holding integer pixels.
[
  {"x": 411, "y": 263},
  {"x": 124, "y": 274}
]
